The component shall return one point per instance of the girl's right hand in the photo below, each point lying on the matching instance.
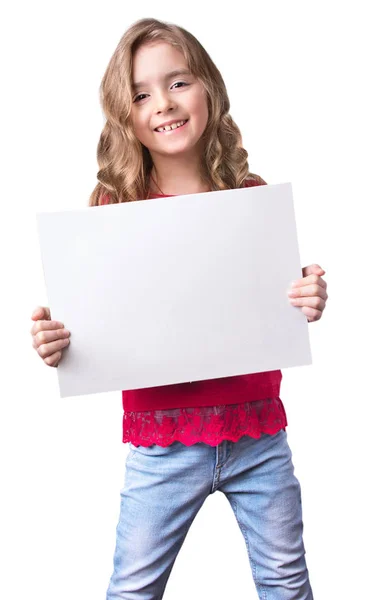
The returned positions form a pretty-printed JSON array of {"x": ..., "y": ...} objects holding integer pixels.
[{"x": 49, "y": 337}]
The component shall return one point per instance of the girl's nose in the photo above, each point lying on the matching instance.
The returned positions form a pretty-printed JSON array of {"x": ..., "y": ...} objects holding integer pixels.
[{"x": 164, "y": 103}]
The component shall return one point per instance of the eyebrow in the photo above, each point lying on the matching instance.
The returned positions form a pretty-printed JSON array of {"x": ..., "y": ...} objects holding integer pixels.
[{"x": 141, "y": 84}]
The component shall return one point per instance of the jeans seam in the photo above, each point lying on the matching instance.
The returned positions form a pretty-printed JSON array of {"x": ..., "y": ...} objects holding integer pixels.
[{"x": 253, "y": 563}]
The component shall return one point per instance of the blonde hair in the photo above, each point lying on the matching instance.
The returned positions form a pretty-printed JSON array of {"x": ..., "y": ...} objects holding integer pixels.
[{"x": 124, "y": 163}]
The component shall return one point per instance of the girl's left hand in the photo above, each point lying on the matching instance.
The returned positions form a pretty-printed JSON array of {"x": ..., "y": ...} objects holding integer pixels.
[{"x": 310, "y": 292}]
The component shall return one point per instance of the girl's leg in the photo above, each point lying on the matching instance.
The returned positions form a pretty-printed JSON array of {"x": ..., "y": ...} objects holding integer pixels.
[
  {"x": 163, "y": 492},
  {"x": 257, "y": 477}
]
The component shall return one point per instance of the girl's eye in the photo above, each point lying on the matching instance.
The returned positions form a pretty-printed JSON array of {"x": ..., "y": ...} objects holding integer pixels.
[
  {"x": 180, "y": 82},
  {"x": 139, "y": 97},
  {"x": 142, "y": 96}
]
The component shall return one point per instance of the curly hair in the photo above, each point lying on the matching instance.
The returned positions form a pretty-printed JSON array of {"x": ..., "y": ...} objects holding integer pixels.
[{"x": 124, "y": 162}]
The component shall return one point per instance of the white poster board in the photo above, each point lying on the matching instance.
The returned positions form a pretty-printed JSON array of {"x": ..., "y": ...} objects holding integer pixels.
[{"x": 176, "y": 289}]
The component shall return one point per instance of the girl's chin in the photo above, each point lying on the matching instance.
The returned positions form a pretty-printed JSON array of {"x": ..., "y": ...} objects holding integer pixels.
[{"x": 170, "y": 148}]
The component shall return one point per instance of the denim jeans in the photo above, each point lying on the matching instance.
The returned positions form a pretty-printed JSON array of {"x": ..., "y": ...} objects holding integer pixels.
[{"x": 164, "y": 489}]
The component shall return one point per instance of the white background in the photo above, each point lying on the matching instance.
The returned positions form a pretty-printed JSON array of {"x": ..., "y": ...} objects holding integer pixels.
[{"x": 294, "y": 75}]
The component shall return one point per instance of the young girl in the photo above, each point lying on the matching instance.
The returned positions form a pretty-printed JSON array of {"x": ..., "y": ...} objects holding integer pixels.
[{"x": 168, "y": 132}]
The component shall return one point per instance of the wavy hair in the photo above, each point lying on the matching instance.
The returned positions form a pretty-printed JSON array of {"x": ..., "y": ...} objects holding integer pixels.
[{"x": 124, "y": 163}]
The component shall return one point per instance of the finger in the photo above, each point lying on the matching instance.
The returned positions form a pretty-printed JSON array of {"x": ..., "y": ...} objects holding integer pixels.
[
  {"x": 308, "y": 290},
  {"x": 308, "y": 280},
  {"x": 45, "y": 337},
  {"x": 45, "y": 350},
  {"x": 311, "y": 313},
  {"x": 54, "y": 359},
  {"x": 316, "y": 302},
  {"x": 41, "y": 312},
  {"x": 45, "y": 326}
]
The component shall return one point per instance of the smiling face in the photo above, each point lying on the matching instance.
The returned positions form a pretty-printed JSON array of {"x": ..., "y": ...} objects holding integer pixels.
[{"x": 166, "y": 94}]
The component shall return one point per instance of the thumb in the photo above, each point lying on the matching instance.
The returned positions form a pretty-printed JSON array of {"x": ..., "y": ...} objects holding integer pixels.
[
  {"x": 41, "y": 312},
  {"x": 316, "y": 269}
]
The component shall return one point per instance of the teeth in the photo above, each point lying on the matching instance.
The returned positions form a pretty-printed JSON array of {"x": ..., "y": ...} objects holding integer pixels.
[{"x": 173, "y": 126}]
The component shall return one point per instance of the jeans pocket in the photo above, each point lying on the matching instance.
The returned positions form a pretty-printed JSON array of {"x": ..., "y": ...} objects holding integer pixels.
[
  {"x": 154, "y": 450},
  {"x": 132, "y": 446},
  {"x": 132, "y": 451}
]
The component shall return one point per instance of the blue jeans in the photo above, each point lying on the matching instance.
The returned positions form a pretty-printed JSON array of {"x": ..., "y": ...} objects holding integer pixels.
[{"x": 164, "y": 489}]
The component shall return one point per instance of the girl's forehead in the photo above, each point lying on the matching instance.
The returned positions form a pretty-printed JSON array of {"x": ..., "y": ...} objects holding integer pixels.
[{"x": 153, "y": 59}]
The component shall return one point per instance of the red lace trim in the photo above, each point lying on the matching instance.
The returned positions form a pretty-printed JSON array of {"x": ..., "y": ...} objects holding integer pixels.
[{"x": 208, "y": 424}]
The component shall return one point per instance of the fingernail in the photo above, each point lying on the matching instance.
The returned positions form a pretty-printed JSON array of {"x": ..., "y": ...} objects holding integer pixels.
[{"x": 294, "y": 283}]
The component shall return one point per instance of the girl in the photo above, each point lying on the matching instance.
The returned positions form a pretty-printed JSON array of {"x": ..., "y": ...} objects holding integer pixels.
[{"x": 168, "y": 132}]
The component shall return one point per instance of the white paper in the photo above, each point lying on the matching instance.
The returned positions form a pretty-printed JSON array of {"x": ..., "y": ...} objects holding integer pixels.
[{"x": 177, "y": 289}]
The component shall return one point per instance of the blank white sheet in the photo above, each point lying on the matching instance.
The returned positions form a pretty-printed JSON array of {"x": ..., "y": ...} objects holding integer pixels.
[{"x": 175, "y": 289}]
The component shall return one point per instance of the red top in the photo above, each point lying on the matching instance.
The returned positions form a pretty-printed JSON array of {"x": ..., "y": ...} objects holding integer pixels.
[
  {"x": 208, "y": 411},
  {"x": 208, "y": 424},
  {"x": 230, "y": 390}
]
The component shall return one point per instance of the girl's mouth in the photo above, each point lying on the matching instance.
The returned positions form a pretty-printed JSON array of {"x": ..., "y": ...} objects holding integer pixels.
[{"x": 173, "y": 127}]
